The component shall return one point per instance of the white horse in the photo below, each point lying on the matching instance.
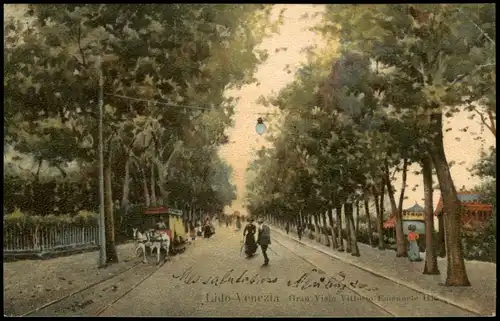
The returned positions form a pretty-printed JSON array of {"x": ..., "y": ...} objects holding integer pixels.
[
  {"x": 159, "y": 241},
  {"x": 142, "y": 242}
]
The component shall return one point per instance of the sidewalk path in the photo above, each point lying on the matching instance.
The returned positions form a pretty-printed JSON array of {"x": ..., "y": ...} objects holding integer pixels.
[{"x": 479, "y": 298}]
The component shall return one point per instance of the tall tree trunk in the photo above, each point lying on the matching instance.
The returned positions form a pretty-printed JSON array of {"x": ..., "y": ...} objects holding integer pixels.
[
  {"x": 161, "y": 184},
  {"x": 325, "y": 228},
  {"x": 456, "y": 274},
  {"x": 431, "y": 264},
  {"x": 144, "y": 181},
  {"x": 401, "y": 246},
  {"x": 320, "y": 227},
  {"x": 161, "y": 170},
  {"x": 37, "y": 200},
  {"x": 332, "y": 226},
  {"x": 379, "y": 207},
  {"x": 338, "y": 210},
  {"x": 153, "y": 186},
  {"x": 403, "y": 186},
  {"x": 125, "y": 192},
  {"x": 317, "y": 232},
  {"x": 357, "y": 217},
  {"x": 369, "y": 222},
  {"x": 348, "y": 244},
  {"x": 399, "y": 226},
  {"x": 111, "y": 254},
  {"x": 348, "y": 210},
  {"x": 441, "y": 239},
  {"x": 126, "y": 183}
]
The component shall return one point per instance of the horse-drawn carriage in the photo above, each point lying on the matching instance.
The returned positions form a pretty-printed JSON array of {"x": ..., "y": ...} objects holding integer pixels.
[{"x": 163, "y": 230}]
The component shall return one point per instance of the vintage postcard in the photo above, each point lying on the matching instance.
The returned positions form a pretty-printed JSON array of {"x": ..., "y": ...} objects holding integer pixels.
[{"x": 249, "y": 160}]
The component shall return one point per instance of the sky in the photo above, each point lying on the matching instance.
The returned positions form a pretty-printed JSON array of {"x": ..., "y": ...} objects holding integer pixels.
[
  {"x": 272, "y": 78},
  {"x": 459, "y": 147}
]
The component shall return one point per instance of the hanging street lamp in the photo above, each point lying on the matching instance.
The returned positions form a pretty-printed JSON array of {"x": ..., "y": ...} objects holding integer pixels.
[{"x": 260, "y": 128}]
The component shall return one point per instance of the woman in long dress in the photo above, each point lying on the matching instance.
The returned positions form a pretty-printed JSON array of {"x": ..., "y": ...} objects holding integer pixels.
[
  {"x": 208, "y": 229},
  {"x": 413, "y": 250},
  {"x": 249, "y": 235},
  {"x": 238, "y": 223}
]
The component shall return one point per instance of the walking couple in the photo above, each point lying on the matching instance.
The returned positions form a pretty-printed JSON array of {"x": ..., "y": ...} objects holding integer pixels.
[{"x": 263, "y": 238}]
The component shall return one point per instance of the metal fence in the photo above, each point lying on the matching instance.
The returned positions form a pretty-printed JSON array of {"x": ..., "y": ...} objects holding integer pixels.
[{"x": 49, "y": 239}]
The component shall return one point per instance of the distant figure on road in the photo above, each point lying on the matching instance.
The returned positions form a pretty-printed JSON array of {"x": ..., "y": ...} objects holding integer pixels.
[
  {"x": 208, "y": 229},
  {"x": 192, "y": 231},
  {"x": 287, "y": 228},
  {"x": 413, "y": 250},
  {"x": 264, "y": 239},
  {"x": 238, "y": 223},
  {"x": 299, "y": 231}
]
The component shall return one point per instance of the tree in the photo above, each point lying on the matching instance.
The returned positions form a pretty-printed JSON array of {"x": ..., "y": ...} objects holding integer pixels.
[
  {"x": 429, "y": 41},
  {"x": 52, "y": 77},
  {"x": 431, "y": 264}
]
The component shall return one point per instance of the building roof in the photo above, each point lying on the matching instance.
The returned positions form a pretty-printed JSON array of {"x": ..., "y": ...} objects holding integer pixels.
[
  {"x": 470, "y": 201},
  {"x": 391, "y": 221},
  {"x": 415, "y": 209}
]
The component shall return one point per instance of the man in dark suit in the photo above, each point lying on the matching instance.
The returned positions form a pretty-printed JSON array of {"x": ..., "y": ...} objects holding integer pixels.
[{"x": 264, "y": 239}]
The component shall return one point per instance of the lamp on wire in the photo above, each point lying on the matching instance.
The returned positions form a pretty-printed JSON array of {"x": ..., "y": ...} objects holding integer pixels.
[{"x": 260, "y": 128}]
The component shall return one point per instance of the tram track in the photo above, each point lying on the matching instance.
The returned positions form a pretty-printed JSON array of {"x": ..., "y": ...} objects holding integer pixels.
[
  {"x": 366, "y": 297},
  {"x": 93, "y": 299},
  {"x": 130, "y": 289}
]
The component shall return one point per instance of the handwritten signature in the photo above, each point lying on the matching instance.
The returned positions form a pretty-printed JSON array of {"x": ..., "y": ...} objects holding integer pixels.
[
  {"x": 189, "y": 277},
  {"x": 313, "y": 279},
  {"x": 317, "y": 279}
]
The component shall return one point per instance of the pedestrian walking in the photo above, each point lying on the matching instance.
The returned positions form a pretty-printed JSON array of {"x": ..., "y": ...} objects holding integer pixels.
[
  {"x": 198, "y": 229},
  {"x": 192, "y": 232},
  {"x": 299, "y": 231},
  {"x": 264, "y": 239},
  {"x": 287, "y": 228},
  {"x": 249, "y": 238},
  {"x": 238, "y": 223}
]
